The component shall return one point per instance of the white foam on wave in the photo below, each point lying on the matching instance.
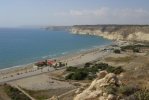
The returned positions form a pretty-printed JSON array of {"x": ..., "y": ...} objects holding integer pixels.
[
  {"x": 44, "y": 57},
  {"x": 14, "y": 67},
  {"x": 63, "y": 53},
  {"x": 49, "y": 56}
]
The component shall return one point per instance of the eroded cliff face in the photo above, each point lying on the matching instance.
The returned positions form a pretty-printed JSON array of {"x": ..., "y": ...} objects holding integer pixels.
[{"x": 115, "y": 32}]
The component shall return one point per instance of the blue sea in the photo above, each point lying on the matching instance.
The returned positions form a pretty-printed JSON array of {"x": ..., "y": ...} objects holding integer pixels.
[{"x": 21, "y": 46}]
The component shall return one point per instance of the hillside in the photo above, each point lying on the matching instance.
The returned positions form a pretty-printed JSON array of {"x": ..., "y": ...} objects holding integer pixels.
[{"x": 57, "y": 28}]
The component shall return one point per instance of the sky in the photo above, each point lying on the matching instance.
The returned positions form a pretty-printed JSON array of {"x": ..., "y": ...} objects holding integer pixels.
[{"x": 16, "y": 13}]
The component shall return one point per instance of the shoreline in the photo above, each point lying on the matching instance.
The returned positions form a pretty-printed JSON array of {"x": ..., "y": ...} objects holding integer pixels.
[
  {"x": 61, "y": 56},
  {"x": 75, "y": 59}
]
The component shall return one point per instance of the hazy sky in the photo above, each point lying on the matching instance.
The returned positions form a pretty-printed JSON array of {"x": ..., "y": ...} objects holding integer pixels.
[{"x": 15, "y": 13}]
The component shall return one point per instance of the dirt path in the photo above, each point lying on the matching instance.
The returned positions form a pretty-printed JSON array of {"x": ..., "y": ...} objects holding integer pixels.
[
  {"x": 24, "y": 92},
  {"x": 64, "y": 94}
]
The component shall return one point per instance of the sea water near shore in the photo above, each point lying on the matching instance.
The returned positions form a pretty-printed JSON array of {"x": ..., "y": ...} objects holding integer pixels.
[{"x": 21, "y": 46}]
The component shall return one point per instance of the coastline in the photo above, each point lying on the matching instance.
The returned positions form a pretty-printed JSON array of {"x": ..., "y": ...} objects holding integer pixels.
[
  {"x": 72, "y": 59},
  {"x": 61, "y": 56},
  {"x": 47, "y": 47}
]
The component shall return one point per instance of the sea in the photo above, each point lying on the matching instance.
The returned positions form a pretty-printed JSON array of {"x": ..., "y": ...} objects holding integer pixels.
[{"x": 19, "y": 46}]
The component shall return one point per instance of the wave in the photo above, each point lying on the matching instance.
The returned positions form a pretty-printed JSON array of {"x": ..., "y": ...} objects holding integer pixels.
[
  {"x": 49, "y": 56},
  {"x": 63, "y": 53},
  {"x": 14, "y": 67}
]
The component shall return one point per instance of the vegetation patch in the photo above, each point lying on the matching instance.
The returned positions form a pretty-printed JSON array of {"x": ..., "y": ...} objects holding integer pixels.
[
  {"x": 119, "y": 59},
  {"x": 14, "y": 93},
  {"x": 142, "y": 94},
  {"x": 3, "y": 94},
  {"x": 111, "y": 89},
  {"x": 134, "y": 48},
  {"x": 46, "y": 94},
  {"x": 117, "y": 51},
  {"x": 89, "y": 72},
  {"x": 127, "y": 90}
]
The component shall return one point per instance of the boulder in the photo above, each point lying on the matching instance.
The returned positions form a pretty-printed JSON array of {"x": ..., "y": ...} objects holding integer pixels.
[
  {"x": 54, "y": 98},
  {"x": 97, "y": 88}
]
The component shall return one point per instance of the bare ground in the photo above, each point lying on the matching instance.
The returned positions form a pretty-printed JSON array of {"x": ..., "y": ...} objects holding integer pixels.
[
  {"x": 45, "y": 94},
  {"x": 3, "y": 95},
  {"x": 136, "y": 67}
]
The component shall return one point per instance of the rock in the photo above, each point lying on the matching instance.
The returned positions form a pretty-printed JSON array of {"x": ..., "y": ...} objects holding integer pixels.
[
  {"x": 83, "y": 96},
  {"x": 105, "y": 94},
  {"x": 111, "y": 97},
  {"x": 54, "y": 98},
  {"x": 97, "y": 88},
  {"x": 102, "y": 98},
  {"x": 102, "y": 74},
  {"x": 94, "y": 95},
  {"x": 79, "y": 90},
  {"x": 121, "y": 76}
]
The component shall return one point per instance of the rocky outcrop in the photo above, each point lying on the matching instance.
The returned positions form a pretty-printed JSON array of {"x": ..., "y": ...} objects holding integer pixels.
[
  {"x": 98, "y": 90},
  {"x": 115, "y": 32},
  {"x": 54, "y": 98}
]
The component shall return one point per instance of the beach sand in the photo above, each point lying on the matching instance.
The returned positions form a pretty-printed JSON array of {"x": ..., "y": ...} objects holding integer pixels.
[
  {"x": 41, "y": 82},
  {"x": 75, "y": 59}
]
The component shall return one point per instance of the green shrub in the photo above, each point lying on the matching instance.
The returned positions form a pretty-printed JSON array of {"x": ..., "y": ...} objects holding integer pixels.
[
  {"x": 110, "y": 69},
  {"x": 133, "y": 47},
  {"x": 128, "y": 47},
  {"x": 102, "y": 66},
  {"x": 117, "y": 51},
  {"x": 90, "y": 77},
  {"x": 127, "y": 90},
  {"x": 15, "y": 94},
  {"x": 92, "y": 70},
  {"x": 72, "y": 69},
  {"x": 118, "y": 70},
  {"x": 136, "y": 50},
  {"x": 142, "y": 94},
  {"x": 111, "y": 89},
  {"x": 87, "y": 64},
  {"x": 69, "y": 76},
  {"x": 80, "y": 75},
  {"x": 115, "y": 70}
]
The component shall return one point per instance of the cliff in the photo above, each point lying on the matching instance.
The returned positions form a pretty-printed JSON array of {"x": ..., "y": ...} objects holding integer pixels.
[
  {"x": 115, "y": 32},
  {"x": 57, "y": 28}
]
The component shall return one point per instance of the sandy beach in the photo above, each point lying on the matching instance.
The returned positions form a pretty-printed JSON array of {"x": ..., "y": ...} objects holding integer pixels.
[
  {"x": 44, "y": 81},
  {"x": 74, "y": 59}
]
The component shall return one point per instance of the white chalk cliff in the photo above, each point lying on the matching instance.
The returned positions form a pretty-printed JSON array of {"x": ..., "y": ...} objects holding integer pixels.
[{"x": 115, "y": 32}]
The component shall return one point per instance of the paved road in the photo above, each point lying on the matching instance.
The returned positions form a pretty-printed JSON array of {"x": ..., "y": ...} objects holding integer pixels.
[{"x": 24, "y": 75}]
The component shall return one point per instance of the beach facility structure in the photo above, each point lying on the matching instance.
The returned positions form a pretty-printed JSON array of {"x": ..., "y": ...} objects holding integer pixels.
[{"x": 45, "y": 63}]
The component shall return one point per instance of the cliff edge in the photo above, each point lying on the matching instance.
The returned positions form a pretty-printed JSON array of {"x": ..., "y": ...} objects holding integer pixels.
[{"x": 138, "y": 33}]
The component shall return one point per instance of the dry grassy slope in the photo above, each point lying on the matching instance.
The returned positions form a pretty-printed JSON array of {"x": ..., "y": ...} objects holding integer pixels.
[
  {"x": 115, "y": 32},
  {"x": 138, "y": 71},
  {"x": 136, "y": 67},
  {"x": 3, "y": 95}
]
